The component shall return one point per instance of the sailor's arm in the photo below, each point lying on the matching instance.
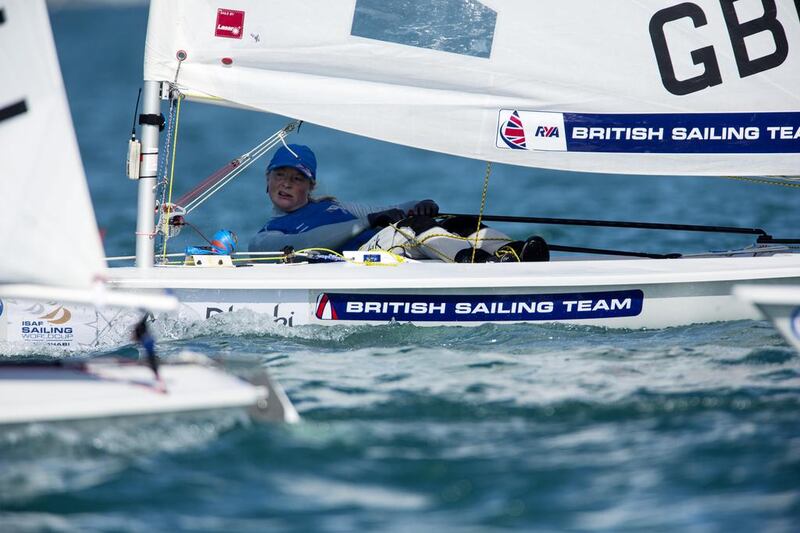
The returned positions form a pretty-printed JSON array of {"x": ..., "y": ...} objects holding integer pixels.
[
  {"x": 327, "y": 236},
  {"x": 417, "y": 207}
]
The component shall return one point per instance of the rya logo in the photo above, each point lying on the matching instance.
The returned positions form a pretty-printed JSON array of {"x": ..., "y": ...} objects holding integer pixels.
[{"x": 546, "y": 131}]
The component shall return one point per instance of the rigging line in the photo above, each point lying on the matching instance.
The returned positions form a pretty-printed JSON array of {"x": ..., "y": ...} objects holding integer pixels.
[
  {"x": 483, "y": 205},
  {"x": 283, "y": 137},
  {"x": 163, "y": 158},
  {"x": 163, "y": 155},
  {"x": 184, "y": 201},
  {"x": 215, "y": 177},
  {"x": 198, "y": 232},
  {"x": 172, "y": 167},
  {"x": 764, "y": 182},
  {"x": 617, "y": 224},
  {"x": 226, "y": 178},
  {"x": 219, "y": 179},
  {"x": 205, "y": 195},
  {"x": 602, "y": 251},
  {"x": 181, "y": 56}
]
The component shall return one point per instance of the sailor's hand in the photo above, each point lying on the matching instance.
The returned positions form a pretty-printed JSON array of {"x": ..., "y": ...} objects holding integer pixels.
[
  {"x": 381, "y": 219},
  {"x": 428, "y": 208}
]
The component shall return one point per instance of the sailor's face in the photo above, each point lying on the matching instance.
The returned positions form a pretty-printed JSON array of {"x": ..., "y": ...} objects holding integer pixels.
[{"x": 288, "y": 188}]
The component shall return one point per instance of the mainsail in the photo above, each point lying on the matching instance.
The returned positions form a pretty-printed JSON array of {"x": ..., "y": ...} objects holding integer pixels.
[{"x": 707, "y": 87}]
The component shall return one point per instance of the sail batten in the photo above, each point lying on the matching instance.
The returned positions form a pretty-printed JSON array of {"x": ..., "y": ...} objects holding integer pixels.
[{"x": 656, "y": 88}]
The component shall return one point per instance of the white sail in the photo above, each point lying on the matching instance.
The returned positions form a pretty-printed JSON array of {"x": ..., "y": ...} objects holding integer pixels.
[
  {"x": 656, "y": 87},
  {"x": 49, "y": 233},
  {"x": 51, "y": 246}
]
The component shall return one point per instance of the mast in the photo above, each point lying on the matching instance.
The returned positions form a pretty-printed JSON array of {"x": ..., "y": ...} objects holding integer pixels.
[{"x": 145, "y": 218}]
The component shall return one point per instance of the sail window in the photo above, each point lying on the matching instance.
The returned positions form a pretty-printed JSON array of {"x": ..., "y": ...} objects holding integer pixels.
[{"x": 463, "y": 27}]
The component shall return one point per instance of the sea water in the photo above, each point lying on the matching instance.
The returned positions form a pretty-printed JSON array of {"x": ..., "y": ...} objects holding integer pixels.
[{"x": 526, "y": 427}]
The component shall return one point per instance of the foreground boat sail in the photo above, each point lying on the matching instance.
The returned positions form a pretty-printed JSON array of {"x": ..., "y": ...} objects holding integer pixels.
[
  {"x": 48, "y": 217},
  {"x": 655, "y": 90}
]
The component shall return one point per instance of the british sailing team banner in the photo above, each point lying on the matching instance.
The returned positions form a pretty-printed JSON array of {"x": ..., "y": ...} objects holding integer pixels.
[
  {"x": 679, "y": 133},
  {"x": 472, "y": 308}
]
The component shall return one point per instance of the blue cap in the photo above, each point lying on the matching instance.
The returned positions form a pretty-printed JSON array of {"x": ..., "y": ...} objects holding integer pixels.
[{"x": 304, "y": 161}]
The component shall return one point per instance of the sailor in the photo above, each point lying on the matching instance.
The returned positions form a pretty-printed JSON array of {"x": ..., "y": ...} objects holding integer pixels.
[
  {"x": 409, "y": 229},
  {"x": 302, "y": 221}
]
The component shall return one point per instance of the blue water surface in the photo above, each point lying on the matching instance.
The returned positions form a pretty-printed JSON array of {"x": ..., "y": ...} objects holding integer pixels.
[{"x": 511, "y": 427}]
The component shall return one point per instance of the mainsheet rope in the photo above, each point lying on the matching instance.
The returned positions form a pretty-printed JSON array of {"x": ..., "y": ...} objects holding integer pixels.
[{"x": 483, "y": 204}]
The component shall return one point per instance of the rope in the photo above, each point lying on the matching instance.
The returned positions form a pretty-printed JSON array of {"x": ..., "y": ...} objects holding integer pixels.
[
  {"x": 483, "y": 204},
  {"x": 219, "y": 179},
  {"x": 172, "y": 171},
  {"x": 413, "y": 242},
  {"x": 162, "y": 165},
  {"x": 766, "y": 181},
  {"x": 212, "y": 184},
  {"x": 287, "y": 147},
  {"x": 398, "y": 258}
]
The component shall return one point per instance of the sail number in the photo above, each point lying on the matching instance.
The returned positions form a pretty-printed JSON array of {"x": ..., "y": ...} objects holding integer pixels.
[{"x": 738, "y": 31}]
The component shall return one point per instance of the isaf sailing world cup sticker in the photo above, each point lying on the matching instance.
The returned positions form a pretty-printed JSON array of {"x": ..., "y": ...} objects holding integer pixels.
[
  {"x": 51, "y": 326},
  {"x": 230, "y": 23}
]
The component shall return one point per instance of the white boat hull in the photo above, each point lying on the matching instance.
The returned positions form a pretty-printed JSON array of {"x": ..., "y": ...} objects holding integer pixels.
[
  {"x": 639, "y": 293},
  {"x": 109, "y": 388},
  {"x": 781, "y": 305}
]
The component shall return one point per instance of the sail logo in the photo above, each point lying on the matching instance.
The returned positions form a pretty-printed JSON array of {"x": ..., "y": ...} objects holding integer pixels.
[
  {"x": 513, "y": 132},
  {"x": 325, "y": 309},
  {"x": 547, "y": 130},
  {"x": 230, "y": 23},
  {"x": 60, "y": 315}
]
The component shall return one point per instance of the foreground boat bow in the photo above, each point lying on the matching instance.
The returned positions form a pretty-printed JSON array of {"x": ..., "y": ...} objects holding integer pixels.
[
  {"x": 781, "y": 305},
  {"x": 109, "y": 388}
]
